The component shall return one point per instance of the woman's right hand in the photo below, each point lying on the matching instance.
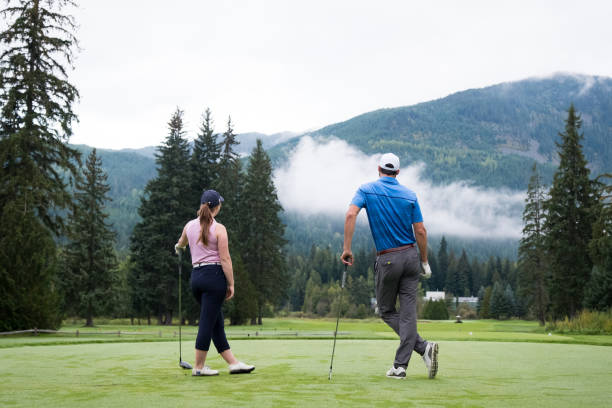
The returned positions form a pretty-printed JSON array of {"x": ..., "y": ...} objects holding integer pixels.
[{"x": 229, "y": 293}]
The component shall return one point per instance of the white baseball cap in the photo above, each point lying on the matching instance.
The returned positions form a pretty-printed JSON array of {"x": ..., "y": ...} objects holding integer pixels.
[{"x": 389, "y": 161}]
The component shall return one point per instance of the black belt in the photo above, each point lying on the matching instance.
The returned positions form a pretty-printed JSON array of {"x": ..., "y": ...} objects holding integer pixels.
[{"x": 401, "y": 248}]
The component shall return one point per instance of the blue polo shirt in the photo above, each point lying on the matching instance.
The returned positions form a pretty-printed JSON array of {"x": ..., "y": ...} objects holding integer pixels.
[{"x": 392, "y": 209}]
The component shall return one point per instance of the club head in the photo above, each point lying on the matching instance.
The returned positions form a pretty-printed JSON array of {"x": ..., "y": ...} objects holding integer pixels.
[{"x": 185, "y": 365}]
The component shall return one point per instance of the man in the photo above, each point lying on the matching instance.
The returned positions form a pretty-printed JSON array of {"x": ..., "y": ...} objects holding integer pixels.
[{"x": 396, "y": 224}]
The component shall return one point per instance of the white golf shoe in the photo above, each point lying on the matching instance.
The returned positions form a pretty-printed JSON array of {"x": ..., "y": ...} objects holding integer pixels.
[
  {"x": 204, "y": 371},
  {"x": 398, "y": 373},
  {"x": 431, "y": 358},
  {"x": 240, "y": 368}
]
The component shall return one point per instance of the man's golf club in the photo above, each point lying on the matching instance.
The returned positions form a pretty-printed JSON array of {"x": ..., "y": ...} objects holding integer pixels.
[
  {"x": 182, "y": 364},
  {"x": 331, "y": 364}
]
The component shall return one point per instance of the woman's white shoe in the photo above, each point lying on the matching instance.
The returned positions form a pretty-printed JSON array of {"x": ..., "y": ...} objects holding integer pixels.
[
  {"x": 240, "y": 368},
  {"x": 204, "y": 371}
]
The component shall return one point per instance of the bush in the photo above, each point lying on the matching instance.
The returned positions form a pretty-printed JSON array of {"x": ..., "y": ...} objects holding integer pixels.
[
  {"x": 435, "y": 310},
  {"x": 586, "y": 322},
  {"x": 466, "y": 311}
]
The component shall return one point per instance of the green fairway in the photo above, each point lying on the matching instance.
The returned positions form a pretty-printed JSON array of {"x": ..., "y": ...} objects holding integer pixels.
[
  {"x": 522, "y": 366},
  {"x": 294, "y": 373}
]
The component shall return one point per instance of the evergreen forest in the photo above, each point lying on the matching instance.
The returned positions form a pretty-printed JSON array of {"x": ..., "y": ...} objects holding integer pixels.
[{"x": 87, "y": 232}]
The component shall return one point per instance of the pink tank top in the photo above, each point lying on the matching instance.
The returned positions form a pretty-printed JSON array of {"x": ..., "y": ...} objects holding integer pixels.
[{"x": 199, "y": 252}]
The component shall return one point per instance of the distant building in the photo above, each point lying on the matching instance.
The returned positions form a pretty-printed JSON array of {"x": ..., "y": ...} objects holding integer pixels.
[
  {"x": 441, "y": 295},
  {"x": 470, "y": 300},
  {"x": 434, "y": 295}
]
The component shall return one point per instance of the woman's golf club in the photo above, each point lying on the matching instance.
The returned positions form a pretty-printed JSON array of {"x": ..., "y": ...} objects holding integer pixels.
[
  {"x": 331, "y": 364},
  {"x": 182, "y": 364}
]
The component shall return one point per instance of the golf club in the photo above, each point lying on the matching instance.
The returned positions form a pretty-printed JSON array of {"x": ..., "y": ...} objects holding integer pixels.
[
  {"x": 331, "y": 364},
  {"x": 182, "y": 364}
]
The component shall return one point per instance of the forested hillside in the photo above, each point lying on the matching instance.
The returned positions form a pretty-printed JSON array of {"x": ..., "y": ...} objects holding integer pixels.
[
  {"x": 490, "y": 135},
  {"x": 128, "y": 172}
]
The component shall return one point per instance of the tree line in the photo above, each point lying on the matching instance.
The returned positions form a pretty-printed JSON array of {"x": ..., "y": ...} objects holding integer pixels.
[
  {"x": 57, "y": 253},
  {"x": 315, "y": 282},
  {"x": 250, "y": 213},
  {"x": 37, "y": 165},
  {"x": 565, "y": 255}
]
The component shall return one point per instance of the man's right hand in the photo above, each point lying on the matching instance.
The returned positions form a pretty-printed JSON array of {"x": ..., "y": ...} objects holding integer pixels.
[
  {"x": 425, "y": 270},
  {"x": 347, "y": 257}
]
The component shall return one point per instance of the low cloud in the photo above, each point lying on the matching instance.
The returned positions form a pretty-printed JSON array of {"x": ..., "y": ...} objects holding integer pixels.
[{"x": 322, "y": 175}]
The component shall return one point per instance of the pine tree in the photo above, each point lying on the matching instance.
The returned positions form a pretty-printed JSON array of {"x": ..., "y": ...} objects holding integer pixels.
[
  {"x": 35, "y": 125},
  {"x": 498, "y": 307},
  {"x": 88, "y": 277},
  {"x": 509, "y": 301},
  {"x": 428, "y": 284},
  {"x": 476, "y": 269},
  {"x": 489, "y": 272},
  {"x": 262, "y": 254},
  {"x": 485, "y": 305},
  {"x": 36, "y": 103},
  {"x": 28, "y": 265},
  {"x": 455, "y": 280},
  {"x": 532, "y": 274},
  {"x": 569, "y": 217},
  {"x": 464, "y": 274},
  {"x": 230, "y": 187},
  {"x": 164, "y": 211},
  {"x": 480, "y": 295},
  {"x": 243, "y": 305},
  {"x": 598, "y": 291},
  {"x": 439, "y": 275},
  {"x": 498, "y": 275},
  {"x": 205, "y": 158}
]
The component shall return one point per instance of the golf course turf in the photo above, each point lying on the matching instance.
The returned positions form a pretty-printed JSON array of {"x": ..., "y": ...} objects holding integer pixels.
[{"x": 128, "y": 371}]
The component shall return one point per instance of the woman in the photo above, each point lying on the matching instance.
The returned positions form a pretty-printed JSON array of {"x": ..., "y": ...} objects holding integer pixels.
[{"x": 212, "y": 282}]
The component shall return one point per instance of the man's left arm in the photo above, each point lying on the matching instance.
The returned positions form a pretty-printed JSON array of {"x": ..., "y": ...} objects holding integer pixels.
[{"x": 420, "y": 233}]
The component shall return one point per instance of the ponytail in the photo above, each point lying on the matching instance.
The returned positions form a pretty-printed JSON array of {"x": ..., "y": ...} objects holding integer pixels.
[{"x": 206, "y": 220}]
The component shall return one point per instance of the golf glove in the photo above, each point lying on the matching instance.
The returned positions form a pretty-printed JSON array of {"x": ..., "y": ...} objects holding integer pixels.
[
  {"x": 178, "y": 248},
  {"x": 425, "y": 270}
]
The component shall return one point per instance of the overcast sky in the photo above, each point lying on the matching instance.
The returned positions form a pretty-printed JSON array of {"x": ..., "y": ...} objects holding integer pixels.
[{"x": 300, "y": 65}]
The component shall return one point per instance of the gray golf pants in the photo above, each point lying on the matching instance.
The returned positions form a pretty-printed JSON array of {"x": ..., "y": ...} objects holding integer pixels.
[{"x": 397, "y": 273}]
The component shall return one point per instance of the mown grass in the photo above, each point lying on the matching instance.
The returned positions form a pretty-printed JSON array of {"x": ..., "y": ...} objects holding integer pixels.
[
  {"x": 294, "y": 374},
  {"x": 512, "y": 363}
]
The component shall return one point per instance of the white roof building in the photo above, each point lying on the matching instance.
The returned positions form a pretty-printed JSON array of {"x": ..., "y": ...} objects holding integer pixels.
[
  {"x": 468, "y": 299},
  {"x": 437, "y": 295},
  {"x": 434, "y": 295}
]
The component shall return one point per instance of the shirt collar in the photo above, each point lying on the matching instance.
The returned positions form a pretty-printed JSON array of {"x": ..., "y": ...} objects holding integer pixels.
[{"x": 387, "y": 179}]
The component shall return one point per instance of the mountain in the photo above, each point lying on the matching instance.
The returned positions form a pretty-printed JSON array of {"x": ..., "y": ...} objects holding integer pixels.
[
  {"x": 247, "y": 143},
  {"x": 129, "y": 170},
  {"x": 148, "y": 151},
  {"x": 128, "y": 173},
  {"x": 249, "y": 140},
  {"x": 490, "y": 136}
]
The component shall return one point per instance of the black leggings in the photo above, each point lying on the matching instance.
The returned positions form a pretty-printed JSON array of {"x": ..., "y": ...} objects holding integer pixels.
[{"x": 209, "y": 287}]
